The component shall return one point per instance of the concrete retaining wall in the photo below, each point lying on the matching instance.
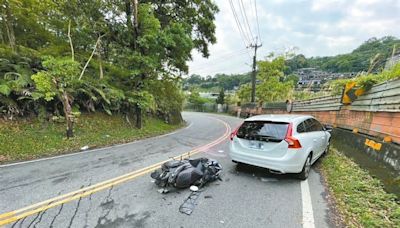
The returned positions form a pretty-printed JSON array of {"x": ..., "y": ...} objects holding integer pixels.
[{"x": 379, "y": 158}]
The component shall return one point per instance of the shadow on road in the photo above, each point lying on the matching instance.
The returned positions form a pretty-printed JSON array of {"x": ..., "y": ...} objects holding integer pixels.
[{"x": 261, "y": 173}]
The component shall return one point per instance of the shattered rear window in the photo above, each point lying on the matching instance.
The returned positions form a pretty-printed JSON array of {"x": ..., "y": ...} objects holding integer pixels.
[{"x": 263, "y": 130}]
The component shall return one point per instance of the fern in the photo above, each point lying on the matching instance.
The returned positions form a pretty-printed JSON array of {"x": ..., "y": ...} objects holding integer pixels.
[{"x": 5, "y": 90}]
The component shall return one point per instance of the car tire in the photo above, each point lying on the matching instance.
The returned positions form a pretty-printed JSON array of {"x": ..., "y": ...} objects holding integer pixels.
[
  {"x": 327, "y": 148},
  {"x": 306, "y": 169}
]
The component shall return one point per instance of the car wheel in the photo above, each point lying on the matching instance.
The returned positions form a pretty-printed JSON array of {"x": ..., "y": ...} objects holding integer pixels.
[{"x": 306, "y": 169}]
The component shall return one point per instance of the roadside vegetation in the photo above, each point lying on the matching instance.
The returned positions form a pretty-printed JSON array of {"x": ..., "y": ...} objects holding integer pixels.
[
  {"x": 356, "y": 61},
  {"x": 359, "y": 197},
  {"x": 61, "y": 59},
  {"x": 366, "y": 80},
  {"x": 30, "y": 139}
]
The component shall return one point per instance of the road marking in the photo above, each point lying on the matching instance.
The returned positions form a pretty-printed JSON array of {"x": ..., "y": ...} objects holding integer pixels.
[
  {"x": 15, "y": 215},
  {"x": 94, "y": 150},
  {"x": 308, "y": 214}
]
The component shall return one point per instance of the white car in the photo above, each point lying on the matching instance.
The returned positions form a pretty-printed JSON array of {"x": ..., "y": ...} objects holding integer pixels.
[{"x": 280, "y": 143}]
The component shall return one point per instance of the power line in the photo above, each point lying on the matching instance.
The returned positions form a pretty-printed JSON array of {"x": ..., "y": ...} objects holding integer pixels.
[
  {"x": 217, "y": 67},
  {"x": 214, "y": 72},
  {"x": 245, "y": 19},
  {"x": 258, "y": 26},
  {"x": 225, "y": 58},
  {"x": 242, "y": 34}
]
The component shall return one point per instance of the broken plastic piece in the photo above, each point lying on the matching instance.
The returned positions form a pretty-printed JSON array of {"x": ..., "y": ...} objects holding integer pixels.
[
  {"x": 188, "y": 205},
  {"x": 163, "y": 190}
]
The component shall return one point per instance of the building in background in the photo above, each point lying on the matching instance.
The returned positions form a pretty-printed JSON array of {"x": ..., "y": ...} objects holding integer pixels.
[{"x": 313, "y": 78}]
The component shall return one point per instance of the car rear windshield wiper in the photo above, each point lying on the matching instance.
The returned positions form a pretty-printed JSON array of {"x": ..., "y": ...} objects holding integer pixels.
[{"x": 269, "y": 137}]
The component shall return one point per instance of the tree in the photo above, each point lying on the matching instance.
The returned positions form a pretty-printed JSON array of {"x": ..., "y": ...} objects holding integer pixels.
[
  {"x": 244, "y": 93},
  {"x": 196, "y": 100},
  {"x": 131, "y": 54},
  {"x": 60, "y": 79},
  {"x": 221, "y": 97},
  {"x": 271, "y": 86}
]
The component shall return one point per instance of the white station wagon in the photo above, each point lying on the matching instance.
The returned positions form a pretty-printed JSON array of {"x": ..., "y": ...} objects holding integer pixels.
[{"x": 280, "y": 143}]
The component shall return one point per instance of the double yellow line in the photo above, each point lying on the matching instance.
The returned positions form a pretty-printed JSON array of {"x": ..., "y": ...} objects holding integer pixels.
[{"x": 15, "y": 215}]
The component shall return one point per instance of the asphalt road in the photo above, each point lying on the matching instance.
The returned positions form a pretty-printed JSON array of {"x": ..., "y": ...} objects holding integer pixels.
[{"x": 247, "y": 196}]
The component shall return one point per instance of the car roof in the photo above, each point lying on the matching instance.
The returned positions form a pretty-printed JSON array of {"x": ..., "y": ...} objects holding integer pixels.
[{"x": 279, "y": 118}]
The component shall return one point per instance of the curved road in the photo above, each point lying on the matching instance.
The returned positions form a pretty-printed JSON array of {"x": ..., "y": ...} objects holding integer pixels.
[{"x": 126, "y": 197}]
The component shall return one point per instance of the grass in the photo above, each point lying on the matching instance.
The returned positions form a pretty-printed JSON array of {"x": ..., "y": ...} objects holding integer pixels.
[
  {"x": 359, "y": 197},
  {"x": 26, "y": 140}
]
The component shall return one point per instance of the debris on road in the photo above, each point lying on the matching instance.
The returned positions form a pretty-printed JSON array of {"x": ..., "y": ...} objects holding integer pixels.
[
  {"x": 188, "y": 172},
  {"x": 163, "y": 190},
  {"x": 262, "y": 179},
  {"x": 194, "y": 188},
  {"x": 188, "y": 205},
  {"x": 85, "y": 147}
]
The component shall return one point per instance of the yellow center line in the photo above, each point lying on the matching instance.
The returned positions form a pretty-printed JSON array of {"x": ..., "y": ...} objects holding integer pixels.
[{"x": 15, "y": 215}]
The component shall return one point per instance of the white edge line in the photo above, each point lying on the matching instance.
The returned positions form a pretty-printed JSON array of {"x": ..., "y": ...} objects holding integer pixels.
[
  {"x": 308, "y": 214},
  {"x": 94, "y": 150}
]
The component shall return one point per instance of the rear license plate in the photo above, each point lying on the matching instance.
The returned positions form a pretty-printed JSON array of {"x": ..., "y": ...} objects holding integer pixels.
[{"x": 256, "y": 145}]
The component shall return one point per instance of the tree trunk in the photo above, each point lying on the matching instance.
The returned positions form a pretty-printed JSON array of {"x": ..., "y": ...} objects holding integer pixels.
[
  {"x": 68, "y": 114},
  {"x": 9, "y": 26},
  {"x": 70, "y": 41},
  {"x": 138, "y": 117},
  {"x": 100, "y": 60}
]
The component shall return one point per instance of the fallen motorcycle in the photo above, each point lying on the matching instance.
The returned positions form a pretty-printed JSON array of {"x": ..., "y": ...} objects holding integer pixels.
[{"x": 187, "y": 172}]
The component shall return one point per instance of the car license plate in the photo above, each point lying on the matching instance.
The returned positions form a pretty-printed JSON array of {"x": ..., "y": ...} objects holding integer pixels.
[{"x": 256, "y": 145}]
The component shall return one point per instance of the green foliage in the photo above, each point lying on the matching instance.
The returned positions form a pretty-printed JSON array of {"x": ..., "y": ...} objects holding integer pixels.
[
  {"x": 60, "y": 74},
  {"x": 227, "y": 82},
  {"x": 195, "y": 98},
  {"x": 132, "y": 68},
  {"x": 293, "y": 78},
  {"x": 221, "y": 97},
  {"x": 271, "y": 85},
  {"x": 356, "y": 61},
  {"x": 232, "y": 99},
  {"x": 366, "y": 81},
  {"x": 141, "y": 98},
  {"x": 167, "y": 94},
  {"x": 244, "y": 93},
  {"x": 272, "y": 89},
  {"x": 305, "y": 95},
  {"x": 360, "y": 197},
  {"x": 5, "y": 90},
  {"x": 44, "y": 85}
]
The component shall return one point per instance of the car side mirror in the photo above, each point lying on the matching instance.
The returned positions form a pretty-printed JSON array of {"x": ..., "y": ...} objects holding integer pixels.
[{"x": 328, "y": 128}]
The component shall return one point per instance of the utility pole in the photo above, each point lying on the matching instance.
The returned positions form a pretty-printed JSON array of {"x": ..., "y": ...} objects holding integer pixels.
[{"x": 254, "y": 73}]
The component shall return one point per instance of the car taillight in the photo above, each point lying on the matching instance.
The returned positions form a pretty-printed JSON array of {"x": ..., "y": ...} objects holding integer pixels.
[
  {"x": 234, "y": 133},
  {"x": 292, "y": 141}
]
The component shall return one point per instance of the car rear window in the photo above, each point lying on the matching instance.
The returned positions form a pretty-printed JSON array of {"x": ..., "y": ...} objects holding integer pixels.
[{"x": 263, "y": 130}]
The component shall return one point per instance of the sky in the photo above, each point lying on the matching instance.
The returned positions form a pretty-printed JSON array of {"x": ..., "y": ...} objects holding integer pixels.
[{"x": 311, "y": 27}]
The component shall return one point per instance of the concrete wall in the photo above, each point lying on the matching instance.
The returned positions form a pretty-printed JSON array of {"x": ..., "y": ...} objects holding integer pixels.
[{"x": 379, "y": 158}]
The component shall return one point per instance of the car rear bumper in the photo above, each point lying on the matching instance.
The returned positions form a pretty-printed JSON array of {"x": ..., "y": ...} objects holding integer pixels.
[{"x": 292, "y": 162}]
